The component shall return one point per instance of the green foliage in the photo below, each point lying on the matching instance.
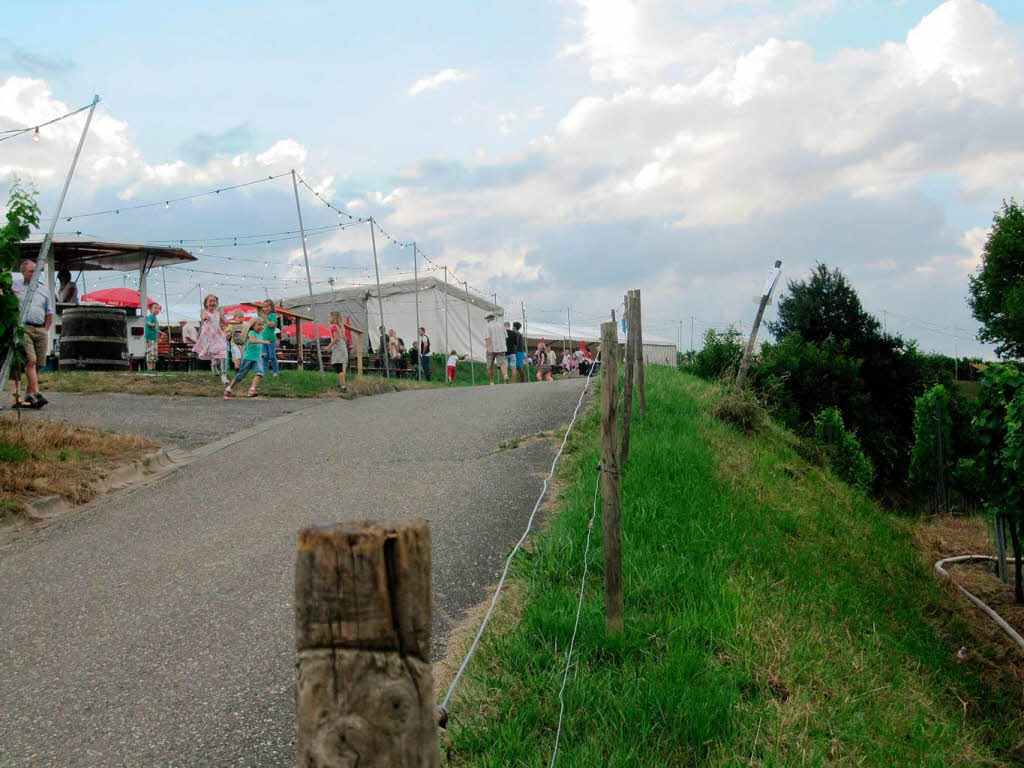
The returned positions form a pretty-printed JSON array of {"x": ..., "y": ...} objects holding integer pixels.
[
  {"x": 721, "y": 354},
  {"x": 844, "y": 451},
  {"x": 22, "y": 215},
  {"x": 932, "y": 454},
  {"x": 12, "y": 453},
  {"x": 821, "y": 307},
  {"x": 997, "y": 290},
  {"x": 998, "y": 422}
]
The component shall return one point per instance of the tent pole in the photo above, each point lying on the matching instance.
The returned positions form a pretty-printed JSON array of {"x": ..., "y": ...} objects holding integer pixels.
[
  {"x": 309, "y": 281},
  {"x": 419, "y": 346},
  {"x": 167, "y": 309},
  {"x": 447, "y": 348},
  {"x": 469, "y": 327},
  {"x": 526, "y": 340},
  {"x": 44, "y": 252},
  {"x": 380, "y": 304}
]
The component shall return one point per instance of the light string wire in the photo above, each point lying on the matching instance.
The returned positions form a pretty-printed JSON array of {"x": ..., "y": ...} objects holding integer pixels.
[
  {"x": 169, "y": 200},
  {"x": 576, "y": 625},
  {"x": 508, "y": 562},
  {"x": 15, "y": 132}
]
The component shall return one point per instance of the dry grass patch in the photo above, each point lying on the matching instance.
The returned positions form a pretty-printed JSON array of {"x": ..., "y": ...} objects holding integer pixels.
[{"x": 41, "y": 458}]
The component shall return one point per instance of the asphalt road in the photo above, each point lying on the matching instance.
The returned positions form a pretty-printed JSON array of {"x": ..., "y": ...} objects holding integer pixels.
[
  {"x": 181, "y": 422},
  {"x": 155, "y": 628}
]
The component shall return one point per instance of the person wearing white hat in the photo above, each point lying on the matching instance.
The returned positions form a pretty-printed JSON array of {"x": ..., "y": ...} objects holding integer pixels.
[{"x": 494, "y": 343}]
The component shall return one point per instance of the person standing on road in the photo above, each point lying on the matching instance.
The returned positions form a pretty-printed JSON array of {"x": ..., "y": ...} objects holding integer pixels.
[
  {"x": 424, "y": 356},
  {"x": 152, "y": 337},
  {"x": 510, "y": 349},
  {"x": 494, "y": 344},
  {"x": 544, "y": 359},
  {"x": 338, "y": 348},
  {"x": 38, "y": 320},
  {"x": 520, "y": 351}
]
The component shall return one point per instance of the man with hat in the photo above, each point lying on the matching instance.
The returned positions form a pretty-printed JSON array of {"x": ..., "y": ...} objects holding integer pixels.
[{"x": 494, "y": 342}]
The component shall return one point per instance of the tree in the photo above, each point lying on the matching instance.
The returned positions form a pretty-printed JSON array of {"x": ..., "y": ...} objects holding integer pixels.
[
  {"x": 825, "y": 305},
  {"x": 22, "y": 215},
  {"x": 997, "y": 290}
]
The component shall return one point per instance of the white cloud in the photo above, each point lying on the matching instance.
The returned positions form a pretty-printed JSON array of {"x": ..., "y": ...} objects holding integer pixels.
[{"x": 431, "y": 82}]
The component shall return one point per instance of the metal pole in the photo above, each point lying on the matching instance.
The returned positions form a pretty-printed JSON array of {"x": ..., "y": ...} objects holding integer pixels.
[
  {"x": 526, "y": 340},
  {"x": 691, "y": 333},
  {"x": 469, "y": 327},
  {"x": 309, "y": 284},
  {"x": 380, "y": 305},
  {"x": 419, "y": 347},
  {"x": 163, "y": 274},
  {"x": 447, "y": 348},
  {"x": 569, "y": 323},
  {"x": 44, "y": 251}
]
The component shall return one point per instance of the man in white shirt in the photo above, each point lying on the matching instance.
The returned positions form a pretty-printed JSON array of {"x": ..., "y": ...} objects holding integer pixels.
[
  {"x": 38, "y": 319},
  {"x": 494, "y": 343}
]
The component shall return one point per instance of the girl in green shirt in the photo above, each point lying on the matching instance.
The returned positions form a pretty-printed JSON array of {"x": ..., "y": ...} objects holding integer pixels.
[
  {"x": 270, "y": 336},
  {"x": 252, "y": 359}
]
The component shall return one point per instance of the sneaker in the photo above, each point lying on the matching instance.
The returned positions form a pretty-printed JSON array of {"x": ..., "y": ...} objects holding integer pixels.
[
  {"x": 227, "y": 394},
  {"x": 223, "y": 378},
  {"x": 253, "y": 393}
]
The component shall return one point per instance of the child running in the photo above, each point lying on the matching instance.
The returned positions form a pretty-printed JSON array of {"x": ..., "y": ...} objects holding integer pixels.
[
  {"x": 236, "y": 337},
  {"x": 450, "y": 369},
  {"x": 252, "y": 359},
  {"x": 338, "y": 349},
  {"x": 213, "y": 344}
]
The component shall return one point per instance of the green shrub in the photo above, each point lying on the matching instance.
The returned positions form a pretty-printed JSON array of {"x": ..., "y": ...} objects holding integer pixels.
[
  {"x": 844, "y": 451},
  {"x": 721, "y": 354},
  {"x": 931, "y": 458},
  {"x": 12, "y": 453}
]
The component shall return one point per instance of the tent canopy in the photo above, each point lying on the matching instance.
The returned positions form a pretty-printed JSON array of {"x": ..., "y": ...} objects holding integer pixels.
[
  {"x": 73, "y": 253},
  {"x": 125, "y": 298}
]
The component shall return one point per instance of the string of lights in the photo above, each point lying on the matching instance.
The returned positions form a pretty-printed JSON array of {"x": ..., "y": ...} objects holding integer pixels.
[
  {"x": 15, "y": 132},
  {"x": 167, "y": 202}
]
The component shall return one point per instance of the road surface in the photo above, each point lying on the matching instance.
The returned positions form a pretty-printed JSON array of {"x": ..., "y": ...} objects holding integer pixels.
[{"x": 155, "y": 627}]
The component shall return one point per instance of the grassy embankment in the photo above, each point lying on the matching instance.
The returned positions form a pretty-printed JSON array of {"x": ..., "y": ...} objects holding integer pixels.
[
  {"x": 40, "y": 458},
  {"x": 774, "y": 617},
  {"x": 290, "y": 383}
]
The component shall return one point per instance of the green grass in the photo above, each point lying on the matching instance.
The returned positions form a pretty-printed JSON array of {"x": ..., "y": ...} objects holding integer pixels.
[
  {"x": 12, "y": 452},
  {"x": 774, "y": 617},
  {"x": 290, "y": 383}
]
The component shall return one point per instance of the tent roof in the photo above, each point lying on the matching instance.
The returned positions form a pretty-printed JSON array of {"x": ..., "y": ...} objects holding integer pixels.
[
  {"x": 396, "y": 288},
  {"x": 73, "y": 252}
]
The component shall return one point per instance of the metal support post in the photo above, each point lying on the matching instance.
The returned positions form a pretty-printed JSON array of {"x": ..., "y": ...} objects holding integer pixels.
[{"x": 309, "y": 285}]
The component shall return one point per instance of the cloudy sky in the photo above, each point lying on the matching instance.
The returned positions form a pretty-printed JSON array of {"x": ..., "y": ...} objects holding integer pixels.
[{"x": 556, "y": 152}]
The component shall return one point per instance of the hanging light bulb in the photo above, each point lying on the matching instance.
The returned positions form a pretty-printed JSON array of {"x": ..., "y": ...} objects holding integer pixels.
[
  {"x": 266, "y": 264},
  {"x": 167, "y": 204},
  {"x": 200, "y": 248},
  {"x": 35, "y": 136}
]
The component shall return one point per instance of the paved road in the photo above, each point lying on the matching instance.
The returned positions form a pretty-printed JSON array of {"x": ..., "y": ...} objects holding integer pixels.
[
  {"x": 181, "y": 422},
  {"x": 155, "y": 628}
]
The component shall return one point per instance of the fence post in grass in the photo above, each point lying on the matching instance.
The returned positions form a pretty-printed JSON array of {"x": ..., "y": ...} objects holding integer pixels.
[
  {"x": 610, "y": 509},
  {"x": 364, "y": 691},
  {"x": 638, "y": 352},
  {"x": 627, "y": 379}
]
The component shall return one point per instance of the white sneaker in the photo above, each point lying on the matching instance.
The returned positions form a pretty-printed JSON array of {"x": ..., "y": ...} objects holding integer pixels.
[{"x": 223, "y": 378}]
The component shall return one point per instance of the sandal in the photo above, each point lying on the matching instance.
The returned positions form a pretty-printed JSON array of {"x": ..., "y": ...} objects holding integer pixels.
[{"x": 25, "y": 402}]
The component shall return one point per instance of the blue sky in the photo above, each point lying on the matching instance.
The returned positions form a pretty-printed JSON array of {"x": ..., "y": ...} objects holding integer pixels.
[{"x": 675, "y": 146}]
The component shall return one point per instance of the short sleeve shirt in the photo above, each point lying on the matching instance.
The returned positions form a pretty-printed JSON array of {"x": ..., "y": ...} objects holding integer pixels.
[
  {"x": 253, "y": 349},
  {"x": 151, "y": 332},
  {"x": 270, "y": 327}
]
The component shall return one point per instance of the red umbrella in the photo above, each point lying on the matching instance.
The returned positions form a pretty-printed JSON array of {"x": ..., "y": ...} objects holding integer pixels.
[
  {"x": 307, "y": 330},
  {"x": 125, "y": 298}
]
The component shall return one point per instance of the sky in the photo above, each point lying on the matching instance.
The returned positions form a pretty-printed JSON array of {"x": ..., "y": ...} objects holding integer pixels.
[{"x": 555, "y": 153}]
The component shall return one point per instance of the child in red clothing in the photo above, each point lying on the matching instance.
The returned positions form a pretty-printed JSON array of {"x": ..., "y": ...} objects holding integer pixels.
[{"x": 450, "y": 370}]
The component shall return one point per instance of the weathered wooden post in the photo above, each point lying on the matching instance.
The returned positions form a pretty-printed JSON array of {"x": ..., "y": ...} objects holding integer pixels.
[
  {"x": 364, "y": 692},
  {"x": 610, "y": 510},
  {"x": 638, "y": 352},
  {"x": 627, "y": 379},
  {"x": 766, "y": 295}
]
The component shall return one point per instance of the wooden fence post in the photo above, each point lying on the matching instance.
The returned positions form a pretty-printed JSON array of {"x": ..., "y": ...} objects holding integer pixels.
[
  {"x": 636, "y": 322},
  {"x": 610, "y": 510},
  {"x": 364, "y": 691},
  {"x": 627, "y": 380}
]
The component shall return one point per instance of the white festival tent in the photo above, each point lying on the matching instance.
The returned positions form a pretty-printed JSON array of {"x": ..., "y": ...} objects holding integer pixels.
[
  {"x": 657, "y": 350},
  {"x": 399, "y": 303}
]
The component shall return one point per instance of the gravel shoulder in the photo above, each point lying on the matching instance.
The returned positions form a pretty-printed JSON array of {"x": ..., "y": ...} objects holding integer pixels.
[{"x": 155, "y": 627}]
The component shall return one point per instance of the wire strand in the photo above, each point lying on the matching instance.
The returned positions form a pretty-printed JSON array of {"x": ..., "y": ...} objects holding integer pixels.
[{"x": 512, "y": 554}]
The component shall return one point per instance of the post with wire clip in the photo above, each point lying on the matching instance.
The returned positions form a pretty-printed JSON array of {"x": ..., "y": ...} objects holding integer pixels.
[{"x": 610, "y": 502}]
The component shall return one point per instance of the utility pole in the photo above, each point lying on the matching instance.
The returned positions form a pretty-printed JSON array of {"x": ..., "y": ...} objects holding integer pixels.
[
  {"x": 769, "y": 286},
  {"x": 691, "y": 332},
  {"x": 309, "y": 282},
  {"x": 385, "y": 355},
  {"x": 44, "y": 261}
]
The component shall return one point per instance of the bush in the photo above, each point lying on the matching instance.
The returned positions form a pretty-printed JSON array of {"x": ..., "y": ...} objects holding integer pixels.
[
  {"x": 844, "y": 451},
  {"x": 721, "y": 354},
  {"x": 741, "y": 408}
]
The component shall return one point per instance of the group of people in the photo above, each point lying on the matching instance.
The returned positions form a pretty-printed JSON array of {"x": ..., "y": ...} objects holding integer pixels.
[{"x": 394, "y": 357}]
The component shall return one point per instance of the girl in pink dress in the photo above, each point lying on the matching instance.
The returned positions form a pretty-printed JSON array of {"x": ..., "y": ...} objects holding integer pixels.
[{"x": 213, "y": 344}]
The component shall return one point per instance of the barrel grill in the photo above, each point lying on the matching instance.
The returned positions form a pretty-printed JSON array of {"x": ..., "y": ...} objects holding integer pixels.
[{"x": 94, "y": 339}]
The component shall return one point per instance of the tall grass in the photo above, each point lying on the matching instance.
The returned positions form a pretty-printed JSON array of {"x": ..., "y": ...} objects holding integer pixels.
[{"x": 774, "y": 617}]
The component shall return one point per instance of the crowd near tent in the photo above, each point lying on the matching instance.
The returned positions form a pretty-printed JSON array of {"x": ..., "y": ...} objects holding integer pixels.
[
  {"x": 399, "y": 299},
  {"x": 559, "y": 336}
]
